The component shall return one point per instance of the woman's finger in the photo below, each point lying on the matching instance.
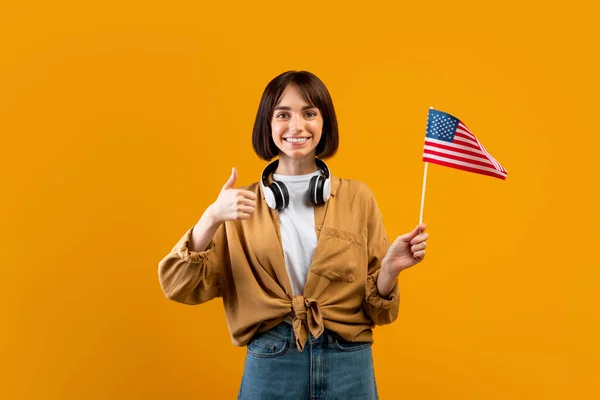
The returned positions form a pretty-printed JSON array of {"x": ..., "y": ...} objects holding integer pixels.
[
  {"x": 248, "y": 194},
  {"x": 242, "y": 216},
  {"x": 419, "y": 255},
  {"x": 245, "y": 209},
  {"x": 418, "y": 247},
  {"x": 420, "y": 238},
  {"x": 244, "y": 201}
]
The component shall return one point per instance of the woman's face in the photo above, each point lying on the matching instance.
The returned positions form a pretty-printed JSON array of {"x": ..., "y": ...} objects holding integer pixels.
[{"x": 296, "y": 125}]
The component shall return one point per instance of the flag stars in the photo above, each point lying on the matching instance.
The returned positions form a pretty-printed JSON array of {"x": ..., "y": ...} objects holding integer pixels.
[{"x": 441, "y": 126}]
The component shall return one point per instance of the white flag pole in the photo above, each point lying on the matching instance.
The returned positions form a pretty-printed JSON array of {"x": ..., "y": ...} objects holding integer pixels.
[{"x": 423, "y": 191}]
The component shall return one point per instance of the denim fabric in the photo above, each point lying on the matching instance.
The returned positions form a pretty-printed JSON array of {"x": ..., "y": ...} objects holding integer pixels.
[{"x": 328, "y": 368}]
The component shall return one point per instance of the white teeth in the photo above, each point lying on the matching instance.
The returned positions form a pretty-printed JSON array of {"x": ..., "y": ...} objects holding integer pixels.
[{"x": 296, "y": 140}]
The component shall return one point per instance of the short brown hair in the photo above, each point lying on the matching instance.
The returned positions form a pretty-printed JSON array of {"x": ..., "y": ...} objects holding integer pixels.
[{"x": 315, "y": 93}]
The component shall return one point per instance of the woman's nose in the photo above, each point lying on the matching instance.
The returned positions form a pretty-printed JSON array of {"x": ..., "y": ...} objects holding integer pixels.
[{"x": 295, "y": 124}]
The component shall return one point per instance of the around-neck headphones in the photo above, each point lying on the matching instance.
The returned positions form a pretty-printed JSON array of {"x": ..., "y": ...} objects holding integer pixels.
[{"x": 277, "y": 195}]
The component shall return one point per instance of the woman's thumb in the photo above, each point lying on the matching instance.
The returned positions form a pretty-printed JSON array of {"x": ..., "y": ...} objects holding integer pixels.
[
  {"x": 407, "y": 237},
  {"x": 231, "y": 181}
]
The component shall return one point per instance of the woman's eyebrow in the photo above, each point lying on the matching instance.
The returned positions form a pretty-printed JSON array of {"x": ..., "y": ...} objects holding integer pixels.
[{"x": 289, "y": 108}]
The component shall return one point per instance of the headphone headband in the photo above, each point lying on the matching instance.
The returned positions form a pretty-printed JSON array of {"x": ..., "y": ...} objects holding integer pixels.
[{"x": 276, "y": 194}]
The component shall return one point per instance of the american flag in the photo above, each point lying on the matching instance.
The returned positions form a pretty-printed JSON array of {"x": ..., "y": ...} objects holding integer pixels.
[{"x": 449, "y": 142}]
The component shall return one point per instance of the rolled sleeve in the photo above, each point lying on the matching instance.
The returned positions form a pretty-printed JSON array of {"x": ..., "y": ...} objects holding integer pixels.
[
  {"x": 373, "y": 298},
  {"x": 183, "y": 251},
  {"x": 191, "y": 277}
]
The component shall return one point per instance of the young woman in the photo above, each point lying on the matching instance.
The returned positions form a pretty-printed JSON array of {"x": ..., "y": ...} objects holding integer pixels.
[{"x": 300, "y": 259}]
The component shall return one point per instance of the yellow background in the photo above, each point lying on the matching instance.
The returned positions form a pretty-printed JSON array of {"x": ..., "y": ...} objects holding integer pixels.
[{"x": 120, "y": 122}]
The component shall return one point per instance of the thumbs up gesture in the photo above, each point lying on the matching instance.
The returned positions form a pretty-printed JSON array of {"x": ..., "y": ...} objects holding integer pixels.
[{"x": 233, "y": 204}]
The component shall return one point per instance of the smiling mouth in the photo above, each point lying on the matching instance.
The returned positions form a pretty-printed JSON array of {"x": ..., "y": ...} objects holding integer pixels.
[{"x": 296, "y": 140}]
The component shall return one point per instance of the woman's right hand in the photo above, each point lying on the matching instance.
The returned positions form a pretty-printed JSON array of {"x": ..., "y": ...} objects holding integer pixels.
[{"x": 233, "y": 204}]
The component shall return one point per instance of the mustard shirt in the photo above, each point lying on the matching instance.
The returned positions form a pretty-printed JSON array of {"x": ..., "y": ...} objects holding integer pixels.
[{"x": 244, "y": 265}]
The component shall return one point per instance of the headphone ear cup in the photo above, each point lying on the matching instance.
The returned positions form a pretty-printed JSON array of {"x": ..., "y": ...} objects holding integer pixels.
[
  {"x": 276, "y": 195},
  {"x": 270, "y": 197},
  {"x": 286, "y": 195},
  {"x": 312, "y": 188},
  {"x": 319, "y": 189},
  {"x": 282, "y": 196},
  {"x": 315, "y": 190},
  {"x": 326, "y": 190}
]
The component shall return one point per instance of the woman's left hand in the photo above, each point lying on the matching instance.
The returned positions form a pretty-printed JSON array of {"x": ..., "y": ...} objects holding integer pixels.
[{"x": 406, "y": 251}]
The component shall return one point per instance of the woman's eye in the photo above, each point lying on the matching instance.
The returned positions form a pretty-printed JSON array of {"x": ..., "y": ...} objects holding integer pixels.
[
  {"x": 311, "y": 114},
  {"x": 280, "y": 115}
]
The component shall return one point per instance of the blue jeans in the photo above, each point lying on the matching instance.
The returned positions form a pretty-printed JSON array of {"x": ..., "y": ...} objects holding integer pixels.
[{"x": 328, "y": 368}]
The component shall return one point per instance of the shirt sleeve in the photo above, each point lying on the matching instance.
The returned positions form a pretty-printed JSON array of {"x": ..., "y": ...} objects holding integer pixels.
[
  {"x": 191, "y": 277},
  {"x": 380, "y": 310}
]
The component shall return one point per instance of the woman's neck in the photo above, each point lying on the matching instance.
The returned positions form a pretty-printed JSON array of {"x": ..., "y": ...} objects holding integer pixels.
[{"x": 296, "y": 166}]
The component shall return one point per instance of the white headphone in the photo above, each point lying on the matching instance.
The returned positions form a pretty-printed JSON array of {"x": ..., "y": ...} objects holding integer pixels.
[{"x": 278, "y": 197}]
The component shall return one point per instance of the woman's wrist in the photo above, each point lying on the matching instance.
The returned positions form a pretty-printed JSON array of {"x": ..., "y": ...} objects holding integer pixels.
[
  {"x": 386, "y": 280},
  {"x": 209, "y": 218},
  {"x": 204, "y": 230}
]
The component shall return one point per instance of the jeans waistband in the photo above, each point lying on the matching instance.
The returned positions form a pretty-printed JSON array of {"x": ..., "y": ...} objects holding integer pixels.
[{"x": 285, "y": 331}]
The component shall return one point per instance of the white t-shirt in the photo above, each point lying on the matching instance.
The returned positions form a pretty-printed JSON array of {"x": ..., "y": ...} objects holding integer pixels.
[{"x": 298, "y": 234}]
